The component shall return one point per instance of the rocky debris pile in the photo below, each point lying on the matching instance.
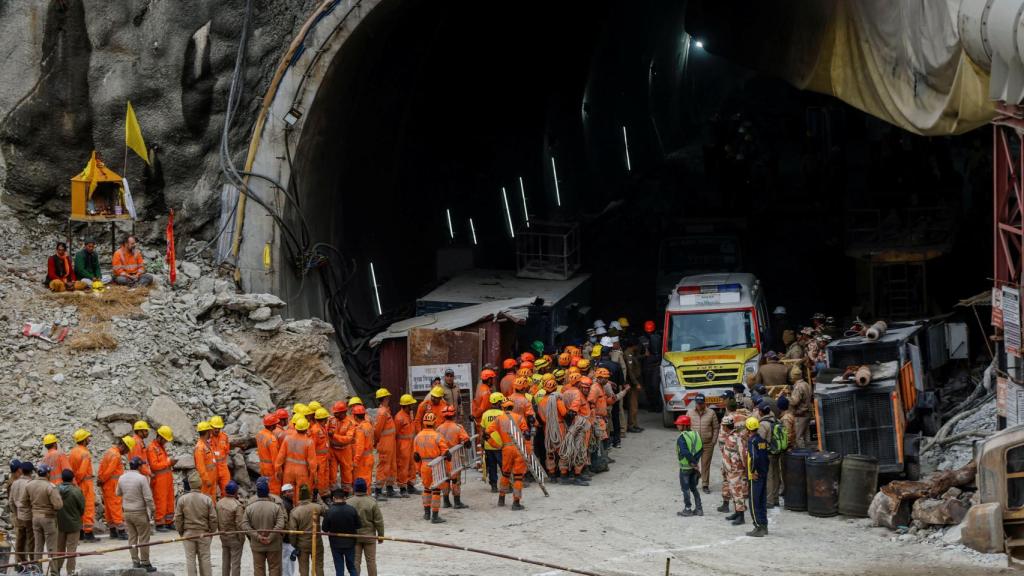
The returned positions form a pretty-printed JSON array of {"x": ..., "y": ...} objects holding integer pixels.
[
  {"x": 920, "y": 510},
  {"x": 956, "y": 448}
]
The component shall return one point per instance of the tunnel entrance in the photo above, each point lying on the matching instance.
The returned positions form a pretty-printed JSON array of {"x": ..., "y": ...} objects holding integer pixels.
[{"x": 427, "y": 112}]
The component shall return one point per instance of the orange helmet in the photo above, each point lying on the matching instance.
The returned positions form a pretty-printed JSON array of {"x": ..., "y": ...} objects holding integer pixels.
[
  {"x": 507, "y": 404},
  {"x": 573, "y": 351},
  {"x": 583, "y": 364},
  {"x": 429, "y": 419},
  {"x": 488, "y": 374},
  {"x": 602, "y": 373},
  {"x": 548, "y": 358},
  {"x": 509, "y": 364},
  {"x": 550, "y": 385},
  {"x": 572, "y": 370},
  {"x": 564, "y": 359},
  {"x": 282, "y": 415},
  {"x": 524, "y": 373},
  {"x": 527, "y": 357},
  {"x": 585, "y": 381},
  {"x": 526, "y": 366},
  {"x": 573, "y": 378},
  {"x": 359, "y": 410},
  {"x": 270, "y": 420},
  {"x": 521, "y": 383},
  {"x": 339, "y": 406},
  {"x": 448, "y": 411}
]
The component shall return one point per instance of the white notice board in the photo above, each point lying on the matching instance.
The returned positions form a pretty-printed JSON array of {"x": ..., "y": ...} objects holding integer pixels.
[{"x": 421, "y": 376}]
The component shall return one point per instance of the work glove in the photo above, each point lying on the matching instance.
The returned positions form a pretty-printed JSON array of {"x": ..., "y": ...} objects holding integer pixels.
[
  {"x": 447, "y": 456},
  {"x": 295, "y": 555},
  {"x": 416, "y": 457},
  {"x": 467, "y": 444}
]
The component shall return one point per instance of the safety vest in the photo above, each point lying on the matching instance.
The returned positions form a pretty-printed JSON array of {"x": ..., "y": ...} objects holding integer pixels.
[
  {"x": 693, "y": 444},
  {"x": 57, "y": 462},
  {"x": 127, "y": 263},
  {"x": 485, "y": 421},
  {"x": 266, "y": 447}
]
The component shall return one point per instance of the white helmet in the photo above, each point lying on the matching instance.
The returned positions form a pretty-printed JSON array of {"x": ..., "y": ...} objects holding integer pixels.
[
  {"x": 606, "y": 342},
  {"x": 615, "y": 324},
  {"x": 779, "y": 310},
  {"x": 599, "y": 323},
  {"x": 600, "y": 331}
]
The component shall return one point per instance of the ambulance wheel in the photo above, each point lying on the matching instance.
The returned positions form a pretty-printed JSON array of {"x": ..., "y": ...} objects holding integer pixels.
[{"x": 668, "y": 418}]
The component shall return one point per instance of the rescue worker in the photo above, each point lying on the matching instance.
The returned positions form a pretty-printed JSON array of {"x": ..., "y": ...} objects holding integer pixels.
[
  {"x": 42, "y": 500},
  {"x": 362, "y": 450},
  {"x": 324, "y": 465},
  {"x": 24, "y": 542},
  {"x": 229, "y": 519},
  {"x": 725, "y": 429},
  {"x": 267, "y": 446},
  {"x": 454, "y": 434},
  {"x": 794, "y": 351},
  {"x": 492, "y": 448},
  {"x": 110, "y": 471},
  {"x": 521, "y": 404},
  {"x": 766, "y": 429},
  {"x": 577, "y": 406},
  {"x": 481, "y": 400},
  {"x": 221, "y": 445},
  {"x": 141, "y": 429},
  {"x": 427, "y": 445},
  {"x": 194, "y": 515},
  {"x": 296, "y": 460},
  {"x": 69, "y": 520},
  {"x": 742, "y": 398},
  {"x": 161, "y": 465},
  {"x": 800, "y": 402},
  {"x": 650, "y": 355},
  {"x": 303, "y": 518},
  {"x": 371, "y": 528},
  {"x": 757, "y": 472},
  {"x": 611, "y": 395},
  {"x": 385, "y": 441},
  {"x": 259, "y": 518},
  {"x": 206, "y": 461},
  {"x": 139, "y": 511},
  {"x": 508, "y": 378},
  {"x": 405, "y": 433},
  {"x": 433, "y": 403},
  {"x": 513, "y": 464},
  {"x": 339, "y": 438},
  {"x": 772, "y": 372},
  {"x": 689, "y": 452},
  {"x": 634, "y": 384},
  {"x": 282, "y": 426},
  {"x": 80, "y": 461},
  {"x": 705, "y": 424},
  {"x": 551, "y": 412},
  {"x": 55, "y": 459},
  {"x": 128, "y": 265}
]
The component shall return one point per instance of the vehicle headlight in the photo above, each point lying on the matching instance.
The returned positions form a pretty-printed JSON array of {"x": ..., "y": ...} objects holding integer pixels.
[
  {"x": 669, "y": 378},
  {"x": 751, "y": 366}
]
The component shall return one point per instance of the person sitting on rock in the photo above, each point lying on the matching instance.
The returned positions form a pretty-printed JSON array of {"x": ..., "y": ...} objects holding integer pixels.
[
  {"x": 129, "y": 268},
  {"x": 60, "y": 276},
  {"x": 87, "y": 264}
]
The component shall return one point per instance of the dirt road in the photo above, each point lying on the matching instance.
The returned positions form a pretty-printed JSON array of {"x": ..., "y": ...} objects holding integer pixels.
[{"x": 625, "y": 524}]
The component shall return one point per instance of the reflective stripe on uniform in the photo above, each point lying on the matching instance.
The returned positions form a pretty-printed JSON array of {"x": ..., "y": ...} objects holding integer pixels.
[
  {"x": 164, "y": 471},
  {"x": 387, "y": 432}
]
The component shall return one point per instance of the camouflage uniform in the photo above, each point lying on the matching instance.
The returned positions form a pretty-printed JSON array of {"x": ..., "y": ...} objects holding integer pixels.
[{"x": 734, "y": 456}]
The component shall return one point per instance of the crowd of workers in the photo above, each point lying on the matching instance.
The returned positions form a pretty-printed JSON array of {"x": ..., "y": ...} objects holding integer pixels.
[{"x": 128, "y": 268}]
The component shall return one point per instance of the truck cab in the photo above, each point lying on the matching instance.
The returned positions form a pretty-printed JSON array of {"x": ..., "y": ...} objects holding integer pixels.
[{"x": 715, "y": 326}]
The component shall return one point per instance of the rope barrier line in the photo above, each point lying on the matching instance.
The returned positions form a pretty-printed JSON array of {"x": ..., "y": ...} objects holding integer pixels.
[{"x": 524, "y": 560}]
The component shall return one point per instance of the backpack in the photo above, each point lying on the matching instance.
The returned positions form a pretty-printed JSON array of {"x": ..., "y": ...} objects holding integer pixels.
[{"x": 779, "y": 440}]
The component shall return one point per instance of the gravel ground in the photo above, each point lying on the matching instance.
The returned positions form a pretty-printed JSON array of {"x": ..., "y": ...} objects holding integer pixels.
[{"x": 625, "y": 524}]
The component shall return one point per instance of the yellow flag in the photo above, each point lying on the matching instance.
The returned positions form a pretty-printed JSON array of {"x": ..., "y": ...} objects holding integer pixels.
[
  {"x": 133, "y": 135},
  {"x": 91, "y": 173}
]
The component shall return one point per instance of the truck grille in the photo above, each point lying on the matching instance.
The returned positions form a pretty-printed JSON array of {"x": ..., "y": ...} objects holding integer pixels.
[
  {"x": 860, "y": 422},
  {"x": 719, "y": 375}
]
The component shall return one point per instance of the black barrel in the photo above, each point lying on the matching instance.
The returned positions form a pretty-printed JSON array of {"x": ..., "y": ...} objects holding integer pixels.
[
  {"x": 859, "y": 484},
  {"x": 823, "y": 483},
  {"x": 795, "y": 479}
]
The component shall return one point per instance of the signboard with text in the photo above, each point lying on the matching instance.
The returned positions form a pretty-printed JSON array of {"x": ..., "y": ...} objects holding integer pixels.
[
  {"x": 420, "y": 377},
  {"x": 1011, "y": 320}
]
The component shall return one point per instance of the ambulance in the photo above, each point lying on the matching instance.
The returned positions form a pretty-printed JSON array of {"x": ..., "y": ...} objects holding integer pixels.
[{"x": 715, "y": 327}]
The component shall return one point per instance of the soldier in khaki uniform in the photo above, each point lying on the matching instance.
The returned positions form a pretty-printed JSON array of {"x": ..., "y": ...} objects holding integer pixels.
[
  {"x": 229, "y": 517},
  {"x": 800, "y": 400},
  {"x": 264, "y": 514},
  {"x": 194, "y": 515},
  {"x": 43, "y": 499},
  {"x": 303, "y": 518},
  {"x": 22, "y": 517},
  {"x": 705, "y": 424}
]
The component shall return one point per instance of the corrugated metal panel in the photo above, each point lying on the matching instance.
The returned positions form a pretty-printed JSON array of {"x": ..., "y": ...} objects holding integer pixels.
[{"x": 394, "y": 365}]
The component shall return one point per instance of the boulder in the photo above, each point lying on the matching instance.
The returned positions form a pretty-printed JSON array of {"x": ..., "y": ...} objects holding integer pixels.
[
  {"x": 248, "y": 302},
  {"x": 203, "y": 304},
  {"x": 99, "y": 371},
  {"x": 207, "y": 372},
  {"x": 225, "y": 352},
  {"x": 164, "y": 411},
  {"x": 934, "y": 511},
  {"x": 108, "y": 414},
  {"x": 299, "y": 368},
  {"x": 884, "y": 511},
  {"x": 260, "y": 314},
  {"x": 309, "y": 326},
  {"x": 271, "y": 325},
  {"x": 191, "y": 270},
  {"x": 185, "y": 462},
  {"x": 119, "y": 428}
]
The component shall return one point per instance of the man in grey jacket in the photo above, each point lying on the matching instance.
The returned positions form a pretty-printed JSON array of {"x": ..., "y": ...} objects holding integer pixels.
[
  {"x": 139, "y": 510},
  {"x": 69, "y": 519}
]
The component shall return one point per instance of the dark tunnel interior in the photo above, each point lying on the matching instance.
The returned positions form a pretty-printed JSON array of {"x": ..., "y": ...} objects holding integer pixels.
[{"x": 435, "y": 107}]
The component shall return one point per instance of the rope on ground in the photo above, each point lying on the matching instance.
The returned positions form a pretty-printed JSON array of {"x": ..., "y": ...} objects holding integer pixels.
[{"x": 524, "y": 560}]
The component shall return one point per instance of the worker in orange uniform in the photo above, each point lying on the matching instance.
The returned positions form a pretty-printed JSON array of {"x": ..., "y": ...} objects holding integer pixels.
[
  {"x": 427, "y": 445},
  {"x": 384, "y": 439},
  {"x": 55, "y": 458},
  {"x": 80, "y": 462},
  {"x": 513, "y": 465},
  {"x": 454, "y": 434},
  {"x": 509, "y": 366},
  {"x": 296, "y": 460},
  {"x": 111, "y": 469},
  {"x": 221, "y": 445},
  {"x": 206, "y": 461},
  {"x": 339, "y": 440},
  {"x": 266, "y": 447},
  {"x": 141, "y": 429},
  {"x": 522, "y": 404},
  {"x": 405, "y": 433},
  {"x": 362, "y": 447},
  {"x": 324, "y": 461},
  {"x": 577, "y": 406},
  {"x": 282, "y": 425},
  {"x": 551, "y": 411},
  {"x": 161, "y": 483},
  {"x": 434, "y": 403},
  {"x": 128, "y": 265},
  {"x": 481, "y": 400}
]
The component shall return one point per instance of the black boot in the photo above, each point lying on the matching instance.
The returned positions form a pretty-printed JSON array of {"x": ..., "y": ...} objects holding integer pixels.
[
  {"x": 426, "y": 512},
  {"x": 517, "y": 506},
  {"x": 494, "y": 488},
  {"x": 379, "y": 494},
  {"x": 698, "y": 512},
  {"x": 501, "y": 500},
  {"x": 391, "y": 492},
  {"x": 446, "y": 502},
  {"x": 733, "y": 516},
  {"x": 758, "y": 532},
  {"x": 685, "y": 512},
  {"x": 723, "y": 508},
  {"x": 122, "y": 534},
  {"x": 436, "y": 519},
  {"x": 412, "y": 489},
  {"x": 741, "y": 519},
  {"x": 402, "y": 492},
  {"x": 458, "y": 503},
  {"x": 580, "y": 481}
]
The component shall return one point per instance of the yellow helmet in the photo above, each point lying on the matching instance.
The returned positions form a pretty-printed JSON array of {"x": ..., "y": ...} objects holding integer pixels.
[
  {"x": 355, "y": 400},
  {"x": 624, "y": 322},
  {"x": 314, "y": 406},
  {"x": 496, "y": 397},
  {"x": 165, "y": 433},
  {"x": 129, "y": 442},
  {"x": 596, "y": 351},
  {"x": 81, "y": 434},
  {"x": 49, "y": 439},
  {"x": 406, "y": 400},
  {"x": 295, "y": 418},
  {"x": 752, "y": 423},
  {"x": 299, "y": 408},
  {"x": 322, "y": 414},
  {"x": 216, "y": 422},
  {"x": 97, "y": 285},
  {"x": 203, "y": 426},
  {"x": 437, "y": 392},
  {"x": 382, "y": 393},
  {"x": 140, "y": 425},
  {"x": 302, "y": 423}
]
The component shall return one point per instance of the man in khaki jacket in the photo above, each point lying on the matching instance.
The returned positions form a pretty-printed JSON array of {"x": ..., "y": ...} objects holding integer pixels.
[
  {"x": 303, "y": 518},
  {"x": 371, "y": 527},
  {"x": 264, "y": 514},
  {"x": 43, "y": 499},
  {"x": 22, "y": 517},
  {"x": 139, "y": 510},
  {"x": 704, "y": 422},
  {"x": 800, "y": 402},
  {"x": 194, "y": 515},
  {"x": 229, "y": 517}
]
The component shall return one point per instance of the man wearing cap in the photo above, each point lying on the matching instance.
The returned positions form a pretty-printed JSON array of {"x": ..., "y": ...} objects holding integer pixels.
[
  {"x": 689, "y": 450},
  {"x": 800, "y": 402},
  {"x": 221, "y": 445},
  {"x": 768, "y": 422},
  {"x": 452, "y": 393},
  {"x": 141, "y": 429},
  {"x": 384, "y": 432},
  {"x": 371, "y": 528},
  {"x": 80, "y": 462},
  {"x": 303, "y": 518},
  {"x": 492, "y": 446},
  {"x": 110, "y": 471},
  {"x": 205, "y": 460},
  {"x": 757, "y": 471},
  {"x": 705, "y": 423},
  {"x": 267, "y": 446},
  {"x": 742, "y": 398},
  {"x": 162, "y": 482},
  {"x": 69, "y": 519},
  {"x": 15, "y": 484},
  {"x": 772, "y": 372},
  {"x": 259, "y": 517},
  {"x": 289, "y": 561},
  {"x": 230, "y": 513},
  {"x": 139, "y": 510},
  {"x": 362, "y": 445},
  {"x": 42, "y": 501},
  {"x": 340, "y": 429},
  {"x": 194, "y": 515}
]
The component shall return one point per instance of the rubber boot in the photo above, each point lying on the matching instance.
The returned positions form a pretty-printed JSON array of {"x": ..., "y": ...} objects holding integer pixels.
[
  {"x": 580, "y": 481},
  {"x": 733, "y": 516},
  {"x": 446, "y": 502},
  {"x": 426, "y": 512},
  {"x": 501, "y": 500},
  {"x": 436, "y": 519},
  {"x": 402, "y": 492},
  {"x": 723, "y": 508},
  {"x": 412, "y": 489},
  {"x": 122, "y": 534},
  {"x": 758, "y": 532},
  {"x": 458, "y": 503},
  {"x": 741, "y": 519},
  {"x": 517, "y": 506},
  {"x": 391, "y": 492}
]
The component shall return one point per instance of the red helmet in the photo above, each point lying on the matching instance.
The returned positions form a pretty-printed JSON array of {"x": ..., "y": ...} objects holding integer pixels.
[
  {"x": 359, "y": 410},
  {"x": 509, "y": 364},
  {"x": 527, "y": 357},
  {"x": 489, "y": 374},
  {"x": 448, "y": 411},
  {"x": 270, "y": 420},
  {"x": 339, "y": 406},
  {"x": 683, "y": 420},
  {"x": 649, "y": 326},
  {"x": 282, "y": 415}
]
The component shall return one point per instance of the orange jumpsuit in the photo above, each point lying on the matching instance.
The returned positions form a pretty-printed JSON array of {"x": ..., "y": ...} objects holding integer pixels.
[
  {"x": 296, "y": 463},
  {"x": 430, "y": 444},
  {"x": 507, "y": 384},
  {"x": 384, "y": 439},
  {"x": 111, "y": 468},
  {"x": 267, "y": 447},
  {"x": 80, "y": 461},
  {"x": 161, "y": 483},
  {"x": 551, "y": 456},
  {"x": 405, "y": 434},
  {"x": 581, "y": 405},
  {"x": 481, "y": 401},
  {"x": 523, "y": 406},
  {"x": 140, "y": 451},
  {"x": 513, "y": 466},
  {"x": 362, "y": 452},
  {"x": 57, "y": 460},
  {"x": 428, "y": 406},
  {"x": 454, "y": 434},
  {"x": 339, "y": 438},
  {"x": 221, "y": 445},
  {"x": 206, "y": 466},
  {"x": 599, "y": 406},
  {"x": 324, "y": 463}
]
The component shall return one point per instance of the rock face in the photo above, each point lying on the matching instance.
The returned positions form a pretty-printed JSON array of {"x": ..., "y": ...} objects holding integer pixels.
[
  {"x": 164, "y": 411},
  {"x": 109, "y": 414},
  {"x": 299, "y": 368}
]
